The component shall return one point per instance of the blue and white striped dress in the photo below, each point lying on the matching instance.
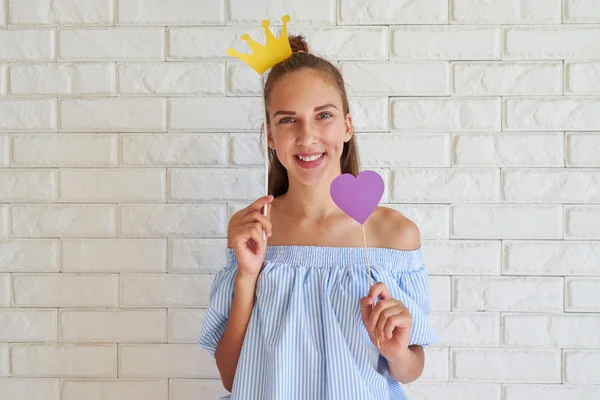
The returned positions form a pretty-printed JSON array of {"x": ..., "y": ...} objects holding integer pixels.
[{"x": 305, "y": 338}]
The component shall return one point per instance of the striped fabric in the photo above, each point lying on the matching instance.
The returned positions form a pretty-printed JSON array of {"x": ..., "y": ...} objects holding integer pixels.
[{"x": 306, "y": 338}]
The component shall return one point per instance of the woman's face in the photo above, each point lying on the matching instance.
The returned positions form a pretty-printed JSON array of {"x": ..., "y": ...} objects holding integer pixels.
[{"x": 307, "y": 126}]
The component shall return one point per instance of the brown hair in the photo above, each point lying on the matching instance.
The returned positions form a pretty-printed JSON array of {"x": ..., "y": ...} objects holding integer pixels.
[{"x": 300, "y": 59}]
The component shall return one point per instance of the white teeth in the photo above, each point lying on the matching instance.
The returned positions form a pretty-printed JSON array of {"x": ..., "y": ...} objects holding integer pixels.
[{"x": 311, "y": 158}]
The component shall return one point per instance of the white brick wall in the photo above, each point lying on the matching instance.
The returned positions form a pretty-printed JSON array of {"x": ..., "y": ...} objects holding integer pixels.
[{"x": 120, "y": 120}]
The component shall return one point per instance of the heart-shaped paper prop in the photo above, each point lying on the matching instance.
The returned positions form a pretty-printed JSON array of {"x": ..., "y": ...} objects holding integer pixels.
[{"x": 358, "y": 197}]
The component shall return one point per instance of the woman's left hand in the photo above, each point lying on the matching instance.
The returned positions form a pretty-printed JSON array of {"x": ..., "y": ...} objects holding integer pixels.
[{"x": 390, "y": 320}]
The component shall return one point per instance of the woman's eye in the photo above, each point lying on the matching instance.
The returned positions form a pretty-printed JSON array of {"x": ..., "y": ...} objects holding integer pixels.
[
  {"x": 285, "y": 120},
  {"x": 325, "y": 115}
]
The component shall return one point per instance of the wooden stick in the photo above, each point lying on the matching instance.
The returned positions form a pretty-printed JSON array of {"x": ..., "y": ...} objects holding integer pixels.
[
  {"x": 369, "y": 269},
  {"x": 262, "y": 87}
]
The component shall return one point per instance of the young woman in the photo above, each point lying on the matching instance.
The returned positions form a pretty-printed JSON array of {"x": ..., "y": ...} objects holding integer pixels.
[{"x": 293, "y": 316}]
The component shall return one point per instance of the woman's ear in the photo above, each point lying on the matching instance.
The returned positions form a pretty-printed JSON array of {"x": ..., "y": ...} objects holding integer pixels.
[
  {"x": 270, "y": 142},
  {"x": 349, "y": 131}
]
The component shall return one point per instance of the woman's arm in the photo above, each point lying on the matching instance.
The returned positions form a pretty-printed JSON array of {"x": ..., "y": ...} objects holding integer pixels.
[
  {"x": 409, "y": 368},
  {"x": 230, "y": 346}
]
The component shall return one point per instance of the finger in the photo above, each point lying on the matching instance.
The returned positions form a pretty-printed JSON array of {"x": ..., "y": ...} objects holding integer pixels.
[
  {"x": 366, "y": 307},
  {"x": 257, "y": 235},
  {"x": 397, "y": 321},
  {"x": 259, "y": 204},
  {"x": 258, "y": 217},
  {"x": 379, "y": 290},
  {"x": 383, "y": 319},
  {"x": 381, "y": 306}
]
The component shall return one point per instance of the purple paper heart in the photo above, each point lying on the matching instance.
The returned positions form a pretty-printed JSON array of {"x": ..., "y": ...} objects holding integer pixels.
[{"x": 358, "y": 197}]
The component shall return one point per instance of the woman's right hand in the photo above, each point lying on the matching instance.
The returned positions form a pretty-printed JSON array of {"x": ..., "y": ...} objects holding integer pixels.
[{"x": 245, "y": 236}]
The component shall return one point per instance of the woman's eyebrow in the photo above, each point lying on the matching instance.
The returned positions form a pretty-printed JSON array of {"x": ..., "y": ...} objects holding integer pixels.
[{"x": 294, "y": 113}]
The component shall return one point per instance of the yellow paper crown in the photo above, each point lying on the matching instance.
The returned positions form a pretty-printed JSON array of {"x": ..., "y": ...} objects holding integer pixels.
[{"x": 274, "y": 51}]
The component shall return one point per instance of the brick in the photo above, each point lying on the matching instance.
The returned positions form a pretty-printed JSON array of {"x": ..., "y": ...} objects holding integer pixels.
[
  {"x": 392, "y": 150},
  {"x": 466, "y": 329},
  {"x": 18, "y": 115},
  {"x": 40, "y": 45},
  {"x": 60, "y": 12},
  {"x": 506, "y": 365},
  {"x": 551, "y": 185},
  {"x": 4, "y": 360},
  {"x": 550, "y": 392},
  {"x": 550, "y": 258},
  {"x": 197, "y": 255},
  {"x": 172, "y": 79},
  {"x": 210, "y": 43},
  {"x": 581, "y": 11},
  {"x": 178, "y": 12},
  {"x": 3, "y": 78},
  {"x": 62, "y": 79},
  {"x": 111, "y": 44},
  {"x": 508, "y": 150},
  {"x": 27, "y": 185},
  {"x": 112, "y": 185},
  {"x": 29, "y": 255},
  {"x": 433, "y": 220},
  {"x": 241, "y": 80},
  {"x": 393, "y": 12},
  {"x": 5, "y": 296},
  {"x": 2, "y": 13},
  {"x": 64, "y": 360},
  {"x": 440, "y": 288},
  {"x": 501, "y": 221},
  {"x": 158, "y": 150},
  {"x": 581, "y": 366},
  {"x": 507, "y": 78},
  {"x": 453, "y": 391},
  {"x": 365, "y": 43},
  {"x": 582, "y": 222},
  {"x": 178, "y": 361},
  {"x": 462, "y": 257},
  {"x": 116, "y": 389},
  {"x": 205, "y": 114},
  {"x": 173, "y": 220},
  {"x": 185, "y": 325},
  {"x": 554, "y": 331},
  {"x": 58, "y": 220},
  {"x": 114, "y": 255},
  {"x": 311, "y": 12},
  {"x": 551, "y": 42},
  {"x": 446, "y": 114},
  {"x": 188, "y": 184},
  {"x": 31, "y": 388},
  {"x": 581, "y": 295},
  {"x": 58, "y": 150},
  {"x": 439, "y": 185},
  {"x": 506, "y": 11},
  {"x": 247, "y": 149},
  {"x": 437, "y": 366},
  {"x": 4, "y": 219},
  {"x": 113, "y": 326},
  {"x": 22, "y": 325},
  {"x": 446, "y": 43},
  {"x": 4, "y": 150},
  {"x": 552, "y": 114},
  {"x": 112, "y": 114},
  {"x": 369, "y": 78},
  {"x": 369, "y": 113},
  {"x": 166, "y": 290},
  {"x": 188, "y": 389},
  {"x": 66, "y": 290},
  {"x": 582, "y": 77},
  {"x": 582, "y": 149},
  {"x": 490, "y": 294}
]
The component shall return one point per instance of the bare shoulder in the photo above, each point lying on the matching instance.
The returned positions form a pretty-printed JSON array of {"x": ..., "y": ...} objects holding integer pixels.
[{"x": 394, "y": 230}]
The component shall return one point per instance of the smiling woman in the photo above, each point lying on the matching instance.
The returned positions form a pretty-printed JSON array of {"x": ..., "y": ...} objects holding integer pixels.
[{"x": 301, "y": 135}]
